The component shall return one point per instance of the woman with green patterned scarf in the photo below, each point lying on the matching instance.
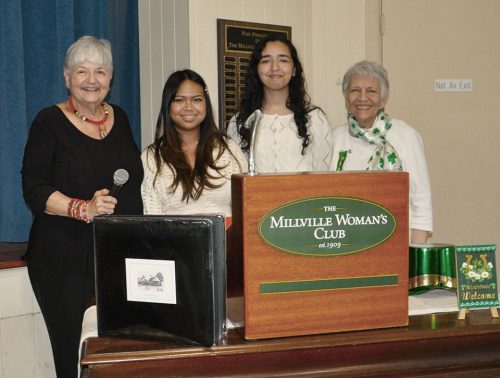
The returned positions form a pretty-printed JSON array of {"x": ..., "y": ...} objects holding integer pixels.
[{"x": 371, "y": 140}]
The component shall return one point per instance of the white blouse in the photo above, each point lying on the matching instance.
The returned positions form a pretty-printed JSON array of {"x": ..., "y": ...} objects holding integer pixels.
[
  {"x": 408, "y": 143},
  {"x": 278, "y": 147},
  {"x": 158, "y": 199}
]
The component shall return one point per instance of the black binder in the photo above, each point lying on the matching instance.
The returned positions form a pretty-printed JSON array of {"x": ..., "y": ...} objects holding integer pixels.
[{"x": 161, "y": 277}]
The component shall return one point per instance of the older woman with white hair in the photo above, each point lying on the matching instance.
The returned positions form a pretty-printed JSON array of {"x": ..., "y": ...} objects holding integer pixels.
[
  {"x": 371, "y": 140},
  {"x": 70, "y": 158}
]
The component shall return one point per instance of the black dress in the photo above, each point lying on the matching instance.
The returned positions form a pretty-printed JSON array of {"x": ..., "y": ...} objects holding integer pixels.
[{"x": 58, "y": 157}]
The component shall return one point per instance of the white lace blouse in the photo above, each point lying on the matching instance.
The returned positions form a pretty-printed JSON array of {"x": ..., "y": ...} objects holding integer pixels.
[
  {"x": 157, "y": 198},
  {"x": 278, "y": 147}
]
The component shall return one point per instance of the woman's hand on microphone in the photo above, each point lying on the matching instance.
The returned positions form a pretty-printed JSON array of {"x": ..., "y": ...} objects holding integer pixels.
[{"x": 101, "y": 203}]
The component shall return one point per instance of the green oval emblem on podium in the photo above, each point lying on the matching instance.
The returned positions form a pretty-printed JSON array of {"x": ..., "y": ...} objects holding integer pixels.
[{"x": 327, "y": 226}]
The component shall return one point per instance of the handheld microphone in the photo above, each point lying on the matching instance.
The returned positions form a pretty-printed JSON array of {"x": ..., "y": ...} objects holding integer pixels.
[
  {"x": 120, "y": 177},
  {"x": 252, "y": 122}
]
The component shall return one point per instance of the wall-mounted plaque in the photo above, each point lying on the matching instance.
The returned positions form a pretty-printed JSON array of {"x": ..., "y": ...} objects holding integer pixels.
[{"x": 236, "y": 41}]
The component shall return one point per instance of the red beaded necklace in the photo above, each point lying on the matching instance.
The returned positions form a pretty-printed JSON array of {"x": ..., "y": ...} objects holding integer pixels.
[{"x": 101, "y": 123}]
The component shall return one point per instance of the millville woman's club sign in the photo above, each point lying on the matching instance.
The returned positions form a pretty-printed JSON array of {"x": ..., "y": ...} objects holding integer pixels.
[{"x": 327, "y": 226}]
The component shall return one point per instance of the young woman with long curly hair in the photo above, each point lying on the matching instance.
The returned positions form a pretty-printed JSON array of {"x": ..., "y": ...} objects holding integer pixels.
[{"x": 293, "y": 135}]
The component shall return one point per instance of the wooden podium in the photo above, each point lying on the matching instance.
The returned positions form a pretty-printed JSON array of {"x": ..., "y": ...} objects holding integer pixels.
[{"x": 333, "y": 281}]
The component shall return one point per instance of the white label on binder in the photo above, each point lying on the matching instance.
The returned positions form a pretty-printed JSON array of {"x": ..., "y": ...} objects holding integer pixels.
[{"x": 150, "y": 280}]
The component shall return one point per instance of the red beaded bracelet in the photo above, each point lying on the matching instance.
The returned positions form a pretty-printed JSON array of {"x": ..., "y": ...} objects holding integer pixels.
[{"x": 77, "y": 209}]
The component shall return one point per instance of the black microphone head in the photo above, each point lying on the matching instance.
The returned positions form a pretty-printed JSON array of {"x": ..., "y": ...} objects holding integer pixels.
[{"x": 120, "y": 177}]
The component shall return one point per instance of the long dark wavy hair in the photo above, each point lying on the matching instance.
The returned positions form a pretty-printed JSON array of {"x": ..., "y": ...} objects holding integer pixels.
[
  {"x": 167, "y": 146},
  {"x": 298, "y": 100}
]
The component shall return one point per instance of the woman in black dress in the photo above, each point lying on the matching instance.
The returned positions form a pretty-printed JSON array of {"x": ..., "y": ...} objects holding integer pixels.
[{"x": 72, "y": 152}]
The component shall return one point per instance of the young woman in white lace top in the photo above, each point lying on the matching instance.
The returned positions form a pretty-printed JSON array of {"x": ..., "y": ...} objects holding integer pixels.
[
  {"x": 292, "y": 134},
  {"x": 188, "y": 168}
]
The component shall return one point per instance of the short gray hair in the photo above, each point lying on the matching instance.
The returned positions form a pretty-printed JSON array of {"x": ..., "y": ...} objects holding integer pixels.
[
  {"x": 89, "y": 48},
  {"x": 367, "y": 68}
]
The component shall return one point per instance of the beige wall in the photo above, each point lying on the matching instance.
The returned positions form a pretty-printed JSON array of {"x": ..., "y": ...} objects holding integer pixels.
[
  {"x": 163, "y": 48},
  {"x": 24, "y": 342},
  {"x": 461, "y": 130}
]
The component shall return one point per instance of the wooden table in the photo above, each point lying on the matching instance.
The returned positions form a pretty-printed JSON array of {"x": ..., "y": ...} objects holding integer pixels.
[
  {"x": 11, "y": 255},
  {"x": 431, "y": 345}
]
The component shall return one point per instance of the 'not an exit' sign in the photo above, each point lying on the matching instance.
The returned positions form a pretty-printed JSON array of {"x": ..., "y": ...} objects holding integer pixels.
[{"x": 453, "y": 85}]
